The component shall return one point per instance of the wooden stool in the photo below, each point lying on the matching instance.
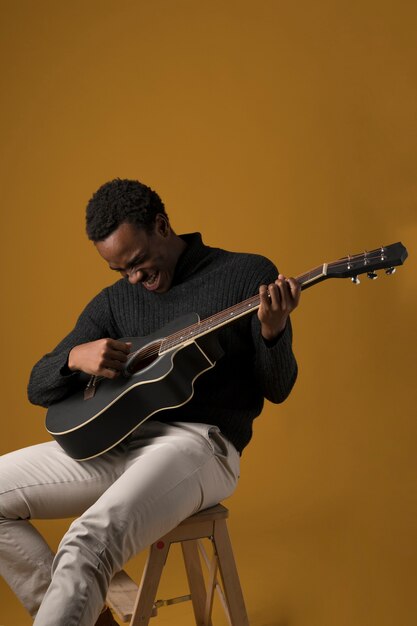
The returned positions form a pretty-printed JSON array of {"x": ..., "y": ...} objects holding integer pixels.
[{"x": 138, "y": 604}]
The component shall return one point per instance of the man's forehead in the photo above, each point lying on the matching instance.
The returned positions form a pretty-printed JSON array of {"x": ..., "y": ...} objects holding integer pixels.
[{"x": 124, "y": 244}]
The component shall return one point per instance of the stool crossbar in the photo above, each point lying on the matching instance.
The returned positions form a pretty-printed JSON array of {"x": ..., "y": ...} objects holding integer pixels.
[{"x": 136, "y": 604}]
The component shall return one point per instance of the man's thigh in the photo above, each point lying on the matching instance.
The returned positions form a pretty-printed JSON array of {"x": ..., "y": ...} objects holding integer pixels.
[
  {"x": 171, "y": 471},
  {"x": 43, "y": 482}
]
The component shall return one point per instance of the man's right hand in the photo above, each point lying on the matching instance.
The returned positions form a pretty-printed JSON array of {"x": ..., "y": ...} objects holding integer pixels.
[{"x": 104, "y": 357}]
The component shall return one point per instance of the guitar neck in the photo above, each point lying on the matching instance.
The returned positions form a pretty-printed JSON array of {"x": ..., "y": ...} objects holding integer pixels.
[
  {"x": 246, "y": 307},
  {"x": 386, "y": 257}
]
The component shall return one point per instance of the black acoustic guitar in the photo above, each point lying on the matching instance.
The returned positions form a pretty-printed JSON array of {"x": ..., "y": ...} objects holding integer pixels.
[{"x": 162, "y": 367}]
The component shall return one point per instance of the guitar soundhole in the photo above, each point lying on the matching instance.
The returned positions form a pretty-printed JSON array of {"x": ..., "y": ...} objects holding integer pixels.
[{"x": 143, "y": 358}]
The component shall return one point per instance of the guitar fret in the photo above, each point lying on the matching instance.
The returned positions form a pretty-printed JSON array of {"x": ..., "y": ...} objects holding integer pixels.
[
  {"x": 327, "y": 270},
  {"x": 209, "y": 324}
]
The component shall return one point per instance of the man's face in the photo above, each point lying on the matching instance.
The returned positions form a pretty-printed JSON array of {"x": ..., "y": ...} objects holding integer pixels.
[{"x": 142, "y": 257}]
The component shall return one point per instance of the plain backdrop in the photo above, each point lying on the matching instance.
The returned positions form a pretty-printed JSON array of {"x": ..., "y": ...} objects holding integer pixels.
[{"x": 282, "y": 128}]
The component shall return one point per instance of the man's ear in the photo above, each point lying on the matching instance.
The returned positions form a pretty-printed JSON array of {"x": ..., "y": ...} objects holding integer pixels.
[{"x": 162, "y": 225}]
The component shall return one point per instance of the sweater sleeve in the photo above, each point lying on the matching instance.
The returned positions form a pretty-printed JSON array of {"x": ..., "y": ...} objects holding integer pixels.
[
  {"x": 275, "y": 364},
  {"x": 50, "y": 379}
]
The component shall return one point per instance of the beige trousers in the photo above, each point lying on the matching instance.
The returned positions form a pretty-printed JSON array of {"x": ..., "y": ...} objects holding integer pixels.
[{"x": 124, "y": 500}]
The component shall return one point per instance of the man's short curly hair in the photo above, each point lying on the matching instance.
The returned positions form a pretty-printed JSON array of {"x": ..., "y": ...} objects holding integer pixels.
[{"x": 119, "y": 201}]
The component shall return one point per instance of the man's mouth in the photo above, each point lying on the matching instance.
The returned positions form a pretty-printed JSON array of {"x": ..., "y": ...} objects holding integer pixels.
[{"x": 152, "y": 281}]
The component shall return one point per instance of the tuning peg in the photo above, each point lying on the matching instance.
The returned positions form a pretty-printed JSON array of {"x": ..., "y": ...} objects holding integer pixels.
[
  {"x": 355, "y": 280},
  {"x": 372, "y": 275},
  {"x": 390, "y": 270}
]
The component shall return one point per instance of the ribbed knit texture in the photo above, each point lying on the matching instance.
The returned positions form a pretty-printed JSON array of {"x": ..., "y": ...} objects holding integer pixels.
[{"x": 206, "y": 281}]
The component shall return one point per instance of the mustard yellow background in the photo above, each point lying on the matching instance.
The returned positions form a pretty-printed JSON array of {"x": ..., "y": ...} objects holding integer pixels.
[{"x": 283, "y": 128}]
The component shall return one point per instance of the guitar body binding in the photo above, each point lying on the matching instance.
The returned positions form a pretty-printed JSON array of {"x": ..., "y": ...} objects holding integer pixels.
[{"x": 88, "y": 428}]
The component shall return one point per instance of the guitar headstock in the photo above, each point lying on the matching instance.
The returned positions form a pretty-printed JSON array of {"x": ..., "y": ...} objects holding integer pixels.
[{"x": 386, "y": 257}]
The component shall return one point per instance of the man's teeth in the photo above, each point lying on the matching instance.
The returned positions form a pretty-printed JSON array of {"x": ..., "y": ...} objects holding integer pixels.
[{"x": 151, "y": 279}]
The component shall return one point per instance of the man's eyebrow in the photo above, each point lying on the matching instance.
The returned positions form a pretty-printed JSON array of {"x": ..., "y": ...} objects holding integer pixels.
[{"x": 137, "y": 259}]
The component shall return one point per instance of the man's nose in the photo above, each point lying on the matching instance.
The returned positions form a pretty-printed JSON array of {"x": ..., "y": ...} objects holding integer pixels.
[{"x": 135, "y": 277}]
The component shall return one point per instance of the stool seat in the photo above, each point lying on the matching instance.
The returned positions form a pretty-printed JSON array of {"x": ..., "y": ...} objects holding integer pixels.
[{"x": 136, "y": 604}]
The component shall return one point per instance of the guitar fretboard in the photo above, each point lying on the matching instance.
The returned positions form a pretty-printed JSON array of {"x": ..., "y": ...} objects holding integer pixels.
[{"x": 208, "y": 325}]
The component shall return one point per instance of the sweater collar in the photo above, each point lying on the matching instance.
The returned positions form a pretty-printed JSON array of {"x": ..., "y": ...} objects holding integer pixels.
[{"x": 195, "y": 252}]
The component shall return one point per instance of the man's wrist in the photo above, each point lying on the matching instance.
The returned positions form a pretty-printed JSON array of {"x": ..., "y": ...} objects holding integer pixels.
[
  {"x": 66, "y": 371},
  {"x": 70, "y": 362},
  {"x": 272, "y": 336}
]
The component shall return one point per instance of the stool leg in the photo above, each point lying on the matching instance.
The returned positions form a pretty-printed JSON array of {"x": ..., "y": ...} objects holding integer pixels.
[
  {"x": 149, "y": 584},
  {"x": 229, "y": 574},
  {"x": 195, "y": 581},
  {"x": 211, "y": 587}
]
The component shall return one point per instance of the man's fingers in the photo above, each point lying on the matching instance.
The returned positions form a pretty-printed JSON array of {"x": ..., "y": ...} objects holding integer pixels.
[
  {"x": 108, "y": 373},
  {"x": 263, "y": 293},
  {"x": 282, "y": 295},
  {"x": 289, "y": 290},
  {"x": 111, "y": 368},
  {"x": 277, "y": 301},
  {"x": 295, "y": 289},
  {"x": 103, "y": 357},
  {"x": 119, "y": 346},
  {"x": 114, "y": 364},
  {"x": 276, "y": 296},
  {"x": 114, "y": 353},
  {"x": 116, "y": 356},
  {"x": 113, "y": 357}
]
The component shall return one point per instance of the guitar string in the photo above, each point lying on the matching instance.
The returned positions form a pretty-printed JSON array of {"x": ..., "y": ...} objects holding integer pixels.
[
  {"x": 238, "y": 309},
  {"x": 245, "y": 307},
  {"x": 248, "y": 305},
  {"x": 242, "y": 307}
]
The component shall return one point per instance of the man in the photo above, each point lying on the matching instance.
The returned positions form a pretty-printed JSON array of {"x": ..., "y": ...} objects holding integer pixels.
[{"x": 181, "y": 459}]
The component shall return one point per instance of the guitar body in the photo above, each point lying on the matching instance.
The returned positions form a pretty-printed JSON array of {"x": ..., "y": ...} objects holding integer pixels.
[{"x": 86, "y": 428}]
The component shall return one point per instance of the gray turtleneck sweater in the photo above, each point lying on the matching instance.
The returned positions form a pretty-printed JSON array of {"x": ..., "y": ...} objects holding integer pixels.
[{"x": 207, "y": 280}]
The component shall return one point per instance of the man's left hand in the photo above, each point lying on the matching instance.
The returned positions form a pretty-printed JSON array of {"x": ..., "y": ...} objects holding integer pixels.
[{"x": 277, "y": 301}]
